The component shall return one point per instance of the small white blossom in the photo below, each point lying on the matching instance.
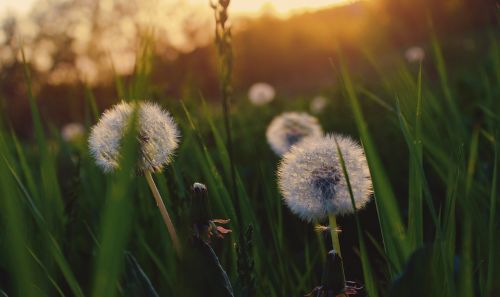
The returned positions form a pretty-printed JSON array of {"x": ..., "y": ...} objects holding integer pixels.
[
  {"x": 72, "y": 131},
  {"x": 415, "y": 54},
  {"x": 291, "y": 128},
  {"x": 318, "y": 104},
  {"x": 261, "y": 93},
  {"x": 312, "y": 181},
  {"x": 158, "y": 136}
]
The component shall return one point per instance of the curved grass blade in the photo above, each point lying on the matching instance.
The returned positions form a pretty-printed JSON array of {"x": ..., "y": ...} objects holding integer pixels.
[
  {"x": 137, "y": 282},
  {"x": 51, "y": 279},
  {"x": 14, "y": 222},
  {"x": 392, "y": 228},
  {"x": 53, "y": 245},
  {"x": 115, "y": 222},
  {"x": 365, "y": 262},
  {"x": 491, "y": 225}
]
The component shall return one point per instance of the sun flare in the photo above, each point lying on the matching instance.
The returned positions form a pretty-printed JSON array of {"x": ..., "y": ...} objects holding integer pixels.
[
  {"x": 237, "y": 7},
  {"x": 278, "y": 7}
]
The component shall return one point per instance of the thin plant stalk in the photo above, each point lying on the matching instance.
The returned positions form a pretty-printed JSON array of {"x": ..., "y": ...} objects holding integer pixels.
[
  {"x": 163, "y": 211},
  {"x": 493, "y": 206},
  {"x": 225, "y": 59},
  {"x": 335, "y": 239}
]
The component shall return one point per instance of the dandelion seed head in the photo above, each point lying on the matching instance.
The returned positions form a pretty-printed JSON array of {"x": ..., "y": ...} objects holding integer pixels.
[
  {"x": 318, "y": 104},
  {"x": 312, "y": 181},
  {"x": 415, "y": 54},
  {"x": 157, "y": 134},
  {"x": 290, "y": 128},
  {"x": 72, "y": 132},
  {"x": 261, "y": 93}
]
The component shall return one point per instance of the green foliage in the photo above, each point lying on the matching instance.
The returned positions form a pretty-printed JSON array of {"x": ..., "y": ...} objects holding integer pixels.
[{"x": 432, "y": 153}]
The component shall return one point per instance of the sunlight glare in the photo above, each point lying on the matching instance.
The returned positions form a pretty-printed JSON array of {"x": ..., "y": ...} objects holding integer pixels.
[
  {"x": 279, "y": 7},
  {"x": 238, "y": 7}
]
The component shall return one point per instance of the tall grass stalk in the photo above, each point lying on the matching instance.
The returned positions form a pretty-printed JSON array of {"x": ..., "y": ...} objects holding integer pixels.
[{"x": 225, "y": 58}]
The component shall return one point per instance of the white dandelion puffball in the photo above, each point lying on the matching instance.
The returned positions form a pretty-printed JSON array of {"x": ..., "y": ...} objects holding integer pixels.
[
  {"x": 312, "y": 181},
  {"x": 318, "y": 104},
  {"x": 72, "y": 132},
  {"x": 290, "y": 128},
  {"x": 157, "y": 133},
  {"x": 415, "y": 54},
  {"x": 261, "y": 93}
]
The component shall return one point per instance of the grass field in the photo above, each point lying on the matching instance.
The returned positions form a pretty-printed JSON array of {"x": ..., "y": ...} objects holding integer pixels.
[{"x": 430, "y": 139}]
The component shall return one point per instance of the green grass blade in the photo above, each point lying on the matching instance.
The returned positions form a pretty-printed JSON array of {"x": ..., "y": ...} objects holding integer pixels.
[
  {"x": 365, "y": 262},
  {"x": 415, "y": 209},
  {"x": 53, "y": 246},
  {"x": 392, "y": 228},
  {"x": 214, "y": 179},
  {"x": 47, "y": 273},
  {"x": 467, "y": 260},
  {"x": 471, "y": 163},
  {"x": 491, "y": 226},
  {"x": 157, "y": 261},
  {"x": 375, "y": 99},
  {"x": 90, "y": 98},
  {"x": 495, "y": 56},
  {"x": 416, "y": 184},
  {"x": 115, "y": 222},
  {"x": 53, "y": 205},
  {"x": 35, "y": 113},
  {"x": 445, "y": 86},
  {"x": 28, "y": 176},
  {"x": 15, "y": 224}
]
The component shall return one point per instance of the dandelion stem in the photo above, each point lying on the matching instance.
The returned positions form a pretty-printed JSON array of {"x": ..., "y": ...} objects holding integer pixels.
[
  {"x": 335, "y": 240},
  {"x": 163, "y": 211}
]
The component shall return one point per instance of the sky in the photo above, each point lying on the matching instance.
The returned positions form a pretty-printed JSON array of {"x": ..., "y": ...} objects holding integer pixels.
[{"x": 239, "y": 7}]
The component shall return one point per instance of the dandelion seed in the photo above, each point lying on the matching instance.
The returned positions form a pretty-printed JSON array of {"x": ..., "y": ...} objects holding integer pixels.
[
  {"x": 158, "y": 136},
  {"x": 261, "y": 93},
  {"x": 415, "y": 54},
  {"x": 312, "y": 182},
  {"x": 290, "y": 128},
  {"x": 318, "y": 104},
  {"x": 72, "y": 132}
]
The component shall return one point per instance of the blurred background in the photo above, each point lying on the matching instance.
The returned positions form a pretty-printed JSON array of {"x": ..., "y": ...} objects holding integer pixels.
[
  {"x": 163, "y": 50},
  {"x": 71, "y": 45}
]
